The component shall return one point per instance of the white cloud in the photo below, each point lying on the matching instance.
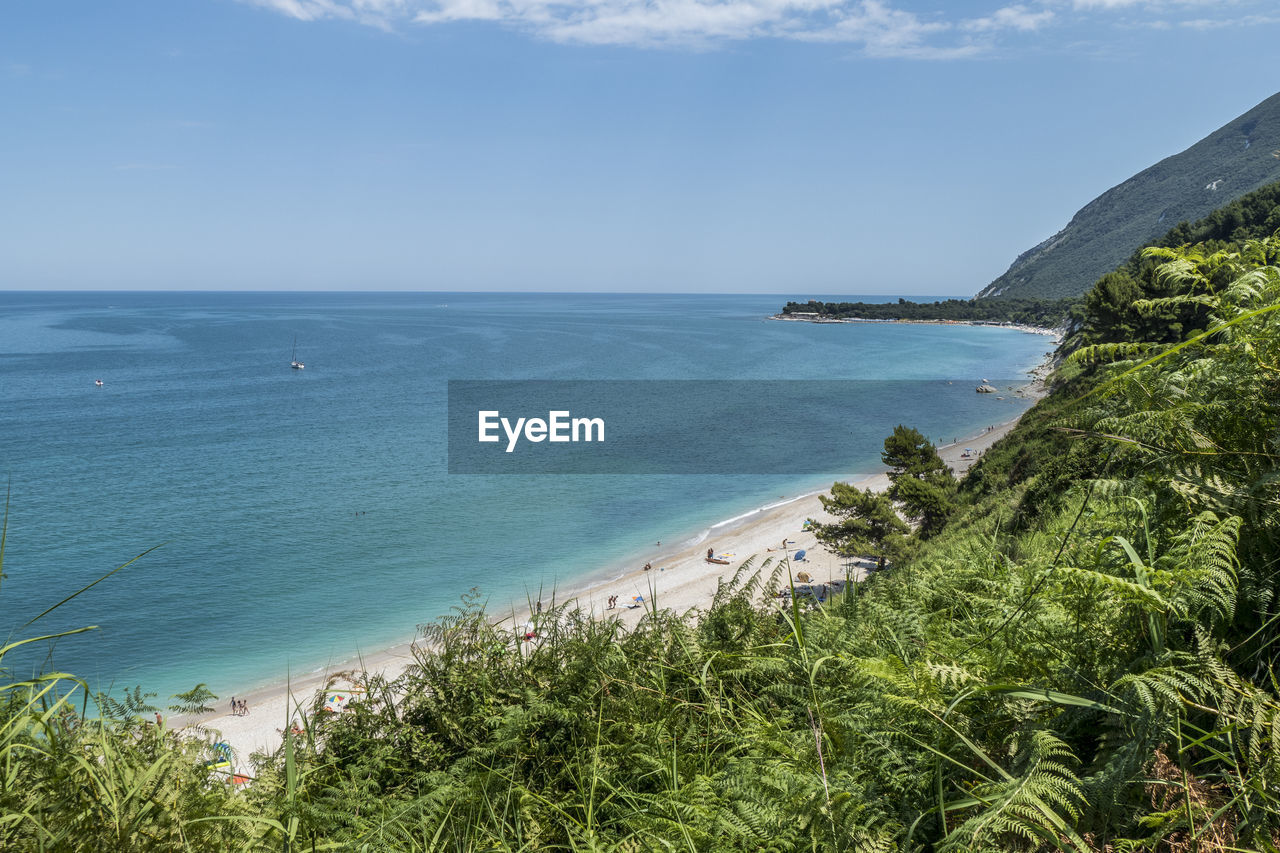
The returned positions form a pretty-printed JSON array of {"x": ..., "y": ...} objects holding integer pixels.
[
  {"x": 1010, "y": 18},
  {"x": 461, "y": 10},
  {"x": 875, "y": 27},
  {"x": 1087, "y": 5},
  {"x": 1218, "y": 24},
  {"x": 377, "y": 13},
  {"x": 879, "y": 28},
  {"x": 305, "y": 10},
  {"x": 1107, "y": 4}
]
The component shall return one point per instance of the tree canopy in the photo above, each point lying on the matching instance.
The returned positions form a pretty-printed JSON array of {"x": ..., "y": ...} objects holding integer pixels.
[
  {"x": 920, "y": 481},
  {"x": 868, "y": 524}
]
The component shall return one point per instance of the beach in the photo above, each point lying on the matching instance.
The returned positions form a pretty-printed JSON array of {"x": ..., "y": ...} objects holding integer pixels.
[{"x": 678, "y": 580}]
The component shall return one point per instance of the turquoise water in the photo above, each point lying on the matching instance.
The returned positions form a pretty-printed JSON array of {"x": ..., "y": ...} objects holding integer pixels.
[{"x": 302, "y": 516}]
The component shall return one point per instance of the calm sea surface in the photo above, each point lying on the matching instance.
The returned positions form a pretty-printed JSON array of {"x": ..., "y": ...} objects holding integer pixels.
[{"x": 302, "y": 516}]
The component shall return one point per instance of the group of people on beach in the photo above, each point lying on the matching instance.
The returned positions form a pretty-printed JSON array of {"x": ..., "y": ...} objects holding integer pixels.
[
  {"x": 239, "y": 707},
  {"x": 613, "y": 602}
]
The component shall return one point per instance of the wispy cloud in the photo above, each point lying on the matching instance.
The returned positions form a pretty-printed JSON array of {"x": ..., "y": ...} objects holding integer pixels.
[
  {"x": 876, "y": 27},
  {"x": 1223, "y": 23},
  {"x": 1011, "y": 18},
  {"x": 1153, "y": 5},
  {"x": 1109, "y": 4},
  {"x": 378, "y": 13}
]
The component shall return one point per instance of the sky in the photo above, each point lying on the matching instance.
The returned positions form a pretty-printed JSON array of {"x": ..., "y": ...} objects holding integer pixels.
[{"x": 744, "y": 146}]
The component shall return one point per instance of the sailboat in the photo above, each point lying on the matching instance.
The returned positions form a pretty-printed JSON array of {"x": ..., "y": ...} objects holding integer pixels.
[{"x": 295, "y": 364}]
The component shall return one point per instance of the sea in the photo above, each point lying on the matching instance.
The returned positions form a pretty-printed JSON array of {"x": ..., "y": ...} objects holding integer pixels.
[{"x": 273, "y": 521}]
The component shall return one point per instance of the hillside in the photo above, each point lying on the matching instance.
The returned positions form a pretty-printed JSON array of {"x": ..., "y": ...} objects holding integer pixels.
[{"x": 1235, "y": 159}]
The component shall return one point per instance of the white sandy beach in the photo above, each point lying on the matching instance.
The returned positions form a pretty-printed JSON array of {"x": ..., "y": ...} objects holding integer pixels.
[{"x": 679, "y": 580}]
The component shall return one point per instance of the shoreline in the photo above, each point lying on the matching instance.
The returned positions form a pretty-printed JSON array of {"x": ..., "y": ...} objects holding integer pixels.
[
  {"x": 1021, "y": 327},
  {"x": 680, "y": 581}
]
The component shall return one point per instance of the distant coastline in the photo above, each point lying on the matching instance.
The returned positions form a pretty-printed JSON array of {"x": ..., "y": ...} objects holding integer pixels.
[
  {"x": 1055, "y": 332},
  {"x": 1051, "y": 314}
]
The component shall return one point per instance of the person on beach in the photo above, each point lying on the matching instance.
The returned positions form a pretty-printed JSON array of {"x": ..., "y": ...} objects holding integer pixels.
[
  {"x": 648, "y": 566},
  {"x": 711, "y": 552},
  {"x": 539, "y": 607},
  {"x": 233, "y": 704},
  {"x": 158, "y": 720}
]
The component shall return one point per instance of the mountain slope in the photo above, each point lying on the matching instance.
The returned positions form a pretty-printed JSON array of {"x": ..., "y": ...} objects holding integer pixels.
[{"x": 1239, "y": 157}]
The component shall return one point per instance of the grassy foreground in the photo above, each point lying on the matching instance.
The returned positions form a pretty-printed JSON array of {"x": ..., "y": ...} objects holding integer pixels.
[{"x": 1080, "y": 656}]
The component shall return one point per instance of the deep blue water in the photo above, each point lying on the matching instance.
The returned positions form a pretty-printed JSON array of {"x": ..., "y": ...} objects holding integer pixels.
[{"x": 304, "y": 515}]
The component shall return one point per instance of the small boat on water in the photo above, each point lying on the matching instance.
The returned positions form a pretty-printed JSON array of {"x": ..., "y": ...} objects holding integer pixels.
[
  {"x": 98, "y": 382},
  {"x": 294, "y": 363}
]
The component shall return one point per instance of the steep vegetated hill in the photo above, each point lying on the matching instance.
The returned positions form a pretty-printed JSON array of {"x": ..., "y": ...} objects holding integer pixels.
[
  {"x": 1233, "y": 160},
  {"x": 1120, "y": 305}
]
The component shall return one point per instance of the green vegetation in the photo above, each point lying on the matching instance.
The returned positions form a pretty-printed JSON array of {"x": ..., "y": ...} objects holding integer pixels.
[
  {"x": 919, "y": 481},
  {"x": 1076, "y": 650},
  {"x": 1117, "y": 308},
  {"x": 868, "y": 524},
  {"x": 1233, "y": 160},
  {"x": 1046, "y": 313}
]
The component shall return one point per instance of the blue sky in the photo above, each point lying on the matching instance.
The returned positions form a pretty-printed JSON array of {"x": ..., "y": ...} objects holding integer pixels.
[{"x": 780, "y": 146}]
